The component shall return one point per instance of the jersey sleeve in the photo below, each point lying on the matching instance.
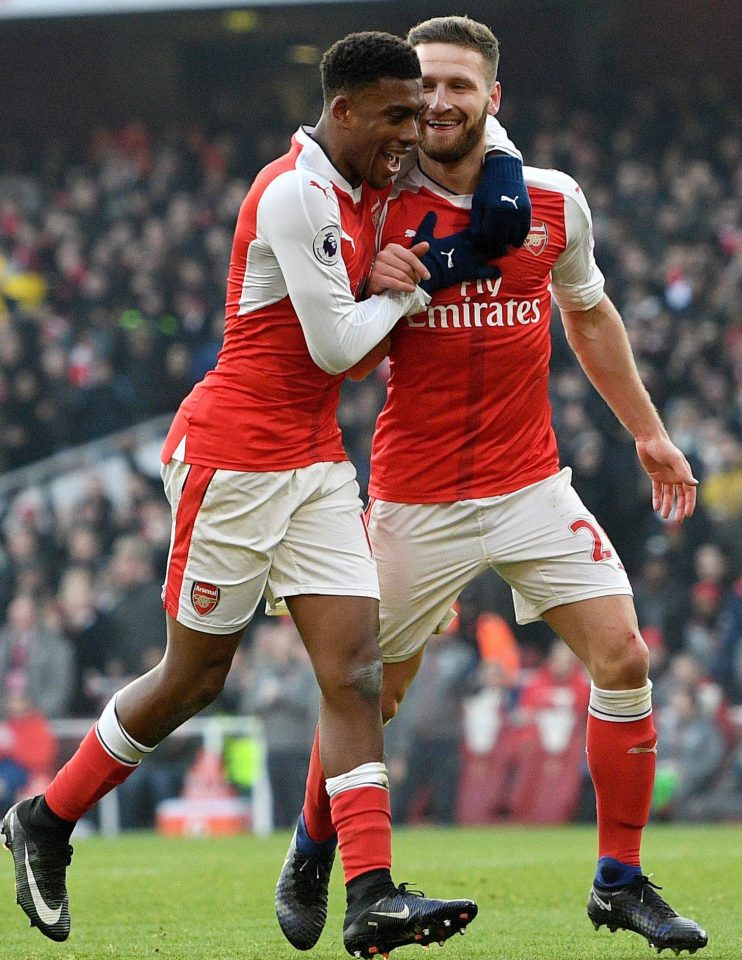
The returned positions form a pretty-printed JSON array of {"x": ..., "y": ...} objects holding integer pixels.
[
  {"x": 576, "y": 280},
  {"x": 496, "y": 138},
  {"x": 303, "y": 230}
]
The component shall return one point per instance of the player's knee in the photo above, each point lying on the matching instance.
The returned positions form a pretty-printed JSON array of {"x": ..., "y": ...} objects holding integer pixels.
[
  {"x": 194, "y": 693},
  {"x": 365, "y": 680},
  {"x": 628, "y": 668},
  {"x": 354, "y": 677},
  {"x": 210, "y": 686}
]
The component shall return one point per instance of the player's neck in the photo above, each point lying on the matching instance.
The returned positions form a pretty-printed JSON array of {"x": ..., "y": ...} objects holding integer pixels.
[
  {"x": 324, "y": 135},
  {"x": 460, "y": 177}
]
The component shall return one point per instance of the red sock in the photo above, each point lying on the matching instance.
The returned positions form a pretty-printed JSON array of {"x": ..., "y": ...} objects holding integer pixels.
[
  {"x": 87, "y": 776},
  {"x": 621, "y": 758},
  {"x": 363, "y": 821},
  {"x": 317, "y": 811}
]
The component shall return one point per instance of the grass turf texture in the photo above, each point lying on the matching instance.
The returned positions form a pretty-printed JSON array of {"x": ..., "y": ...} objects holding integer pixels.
[{"x": 145, "y": 896}]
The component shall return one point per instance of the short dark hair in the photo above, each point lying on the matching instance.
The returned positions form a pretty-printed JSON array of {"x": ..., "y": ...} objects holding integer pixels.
[
  {"x": 463, "y": 32},
  {"x": 362, "y": 59}
]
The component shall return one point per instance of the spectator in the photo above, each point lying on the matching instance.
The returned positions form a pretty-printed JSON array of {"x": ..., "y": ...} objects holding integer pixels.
[
  {"x": 690, "y": 751},
  {"x": 28, "y": 748},
  {"x": 35, "y": 659},
  {"x": 134, "y": 603},
  {"x": 280, "y": 688},
  {"x": 93, "y": 638},
  {"x": 702, "y": 629},
  {"x": 655, "y": 593},
  {"x": 425, "y": 751},
  {"x": 555, "y": 698},
  {"x": 727, "y": 666}
]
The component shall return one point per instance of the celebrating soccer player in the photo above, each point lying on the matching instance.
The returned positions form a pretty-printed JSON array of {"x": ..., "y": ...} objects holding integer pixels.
[
  {"x": 264, "y": 499},
  {"x": 465, "y": 473}
]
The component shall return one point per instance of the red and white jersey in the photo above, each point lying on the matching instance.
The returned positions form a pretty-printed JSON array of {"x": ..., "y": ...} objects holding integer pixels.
[
  {"x": 467, "y": 413},
  {"x": 303, "y": 247}
]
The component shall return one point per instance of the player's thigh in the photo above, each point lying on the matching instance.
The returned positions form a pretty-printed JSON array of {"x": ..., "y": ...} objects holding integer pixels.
[
  {"x": 325, "y": 549},
  {"x": 551, "y": 550},
  {"x": 194, "y": 653},
  {"x": 426, "y": 554},
  {"x": 226, "y": 526},
  {"x": 340, "y": 634}
]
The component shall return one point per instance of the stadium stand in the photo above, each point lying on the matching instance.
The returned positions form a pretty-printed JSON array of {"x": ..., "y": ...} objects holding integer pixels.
[{"x": 113, "y": 254}]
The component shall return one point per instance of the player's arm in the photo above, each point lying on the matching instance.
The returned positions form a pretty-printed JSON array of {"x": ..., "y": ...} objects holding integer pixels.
[
  {"x": 598, "y": 337},
  {"x": 301, "y": 226},
  {"x": 395, "y": 268}
]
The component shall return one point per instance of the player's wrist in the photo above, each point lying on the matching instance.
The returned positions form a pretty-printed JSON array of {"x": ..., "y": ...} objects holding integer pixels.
[{"x": 647, "y": 436}]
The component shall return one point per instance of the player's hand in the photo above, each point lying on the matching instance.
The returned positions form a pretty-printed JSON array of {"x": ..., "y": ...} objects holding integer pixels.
[
  {"x": 672, "y": 479},
  {"x": 451, "y": 259},
  {"x": 501, "y": 207},
  {"x": 398, "y": 268}
]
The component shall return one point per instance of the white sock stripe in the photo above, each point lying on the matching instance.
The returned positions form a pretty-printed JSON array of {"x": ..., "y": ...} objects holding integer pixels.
[
  {"x": 132, "y": 742},
  {"x": 621, "y": 706},
  {"x": 110, "y": 752},
  {"x": 366, "y": 775},
  {"x": 629, "y": 718},
  {"x": 116, "y": 740}
]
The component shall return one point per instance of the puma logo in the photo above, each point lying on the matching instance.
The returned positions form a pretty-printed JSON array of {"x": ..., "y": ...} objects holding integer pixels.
[{"x": 325, "y": 190}]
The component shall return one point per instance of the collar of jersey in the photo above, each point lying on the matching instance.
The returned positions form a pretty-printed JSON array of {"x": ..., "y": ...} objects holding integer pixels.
[{"x": 416, "y": 180}]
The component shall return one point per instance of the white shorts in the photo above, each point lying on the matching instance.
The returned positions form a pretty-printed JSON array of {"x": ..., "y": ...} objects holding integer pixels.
[
  {"x": 541, "y": 539},
  {"x": 239, "y": 536}
]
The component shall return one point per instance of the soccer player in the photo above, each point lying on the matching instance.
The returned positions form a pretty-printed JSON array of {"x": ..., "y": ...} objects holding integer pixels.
[
  {"x": 465, "y": 473},
  {"x": 264, "y": 499}
]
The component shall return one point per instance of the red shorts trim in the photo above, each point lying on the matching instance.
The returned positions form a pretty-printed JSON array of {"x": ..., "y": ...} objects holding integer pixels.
[{"x": 191, "y": 497}]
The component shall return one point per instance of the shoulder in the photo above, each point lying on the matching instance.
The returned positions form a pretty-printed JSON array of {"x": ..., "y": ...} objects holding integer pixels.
[
  {"x": 297, "y": 202},
  {"x": 312, "y": 190},
  {"x": 557, "y": 182}
]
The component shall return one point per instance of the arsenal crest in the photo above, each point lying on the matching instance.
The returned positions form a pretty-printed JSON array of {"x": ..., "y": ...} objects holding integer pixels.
[
  {"x": 204, "y": 597},
  {"x": 537, "y": 239}
]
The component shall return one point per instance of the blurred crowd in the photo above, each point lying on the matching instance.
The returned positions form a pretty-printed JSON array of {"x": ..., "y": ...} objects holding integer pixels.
[{"x": 113, "y": 259}]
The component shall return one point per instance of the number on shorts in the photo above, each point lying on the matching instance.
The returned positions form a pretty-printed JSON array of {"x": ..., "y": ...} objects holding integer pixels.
[{"x": 600, "y": 552}]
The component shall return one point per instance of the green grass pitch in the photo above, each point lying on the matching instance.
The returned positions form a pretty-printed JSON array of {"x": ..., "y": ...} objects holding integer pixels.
[{"x": 145, "y": 896}]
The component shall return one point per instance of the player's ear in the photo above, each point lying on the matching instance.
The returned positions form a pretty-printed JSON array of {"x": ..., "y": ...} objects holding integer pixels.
[
  {"x": 340, "y": 109},
  {"x": 495, "y": 94}
]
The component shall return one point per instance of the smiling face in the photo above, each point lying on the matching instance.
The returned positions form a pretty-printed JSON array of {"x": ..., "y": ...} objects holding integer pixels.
[
  {"x": 379, "y": 123},
  {"x": 458, "y": 97}
]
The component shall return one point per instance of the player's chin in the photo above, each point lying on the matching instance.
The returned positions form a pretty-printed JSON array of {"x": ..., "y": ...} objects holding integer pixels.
[
  {"x": 378, "y": 183},
  {"x": 446, "y": 147},
  {"x": 383, "y": 170}
]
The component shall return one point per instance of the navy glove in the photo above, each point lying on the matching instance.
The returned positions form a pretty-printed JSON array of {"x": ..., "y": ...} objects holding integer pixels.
[
  {"x": 501, "y": 207},
  {"x": 451, "y": 259}
]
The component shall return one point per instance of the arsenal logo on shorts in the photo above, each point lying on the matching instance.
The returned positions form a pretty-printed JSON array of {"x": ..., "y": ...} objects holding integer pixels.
[
  {"x": 538, "y": 237},
  {"x": 204, "y": 597}
]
